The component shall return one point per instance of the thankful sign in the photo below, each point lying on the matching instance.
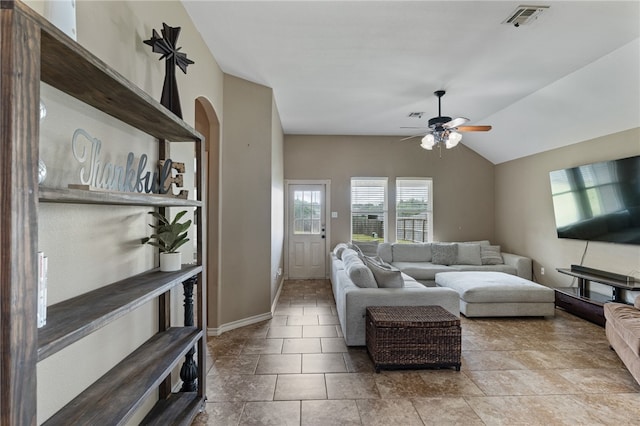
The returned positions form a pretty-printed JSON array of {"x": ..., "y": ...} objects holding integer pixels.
[{"x": 132, "y": 176}]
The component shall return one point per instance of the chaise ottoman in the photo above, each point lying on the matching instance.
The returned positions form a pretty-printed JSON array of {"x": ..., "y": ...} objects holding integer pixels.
[{"x": 496, "y": 294}]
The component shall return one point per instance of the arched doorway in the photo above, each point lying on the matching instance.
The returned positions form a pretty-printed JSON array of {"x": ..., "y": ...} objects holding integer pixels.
[{"x": 207, "y": 123}]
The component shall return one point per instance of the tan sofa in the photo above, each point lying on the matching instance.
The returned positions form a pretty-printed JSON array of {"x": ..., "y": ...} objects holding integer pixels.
[{"x": 623, "y": 332}]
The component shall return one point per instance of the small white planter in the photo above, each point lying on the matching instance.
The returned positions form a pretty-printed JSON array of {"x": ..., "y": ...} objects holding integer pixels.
[{"x": 170, "y": 262}]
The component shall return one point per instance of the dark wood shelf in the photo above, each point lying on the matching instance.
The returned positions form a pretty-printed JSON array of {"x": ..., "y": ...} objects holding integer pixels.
[
  {"x": 75, "y": 318},
  {"x": 179, "y": 409},
  {"x": 69, "y": 67},
  {"x": 79, "y": 196},
  {"x": 587, "y": 304},
  {"x": 591, "y": 309},
  {"x": 114, "y": 397},
  {"x": 594, "y": 298}
]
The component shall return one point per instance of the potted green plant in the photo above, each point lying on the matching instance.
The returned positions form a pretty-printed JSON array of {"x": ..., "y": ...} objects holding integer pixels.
[{"x": 168, "y": 237}]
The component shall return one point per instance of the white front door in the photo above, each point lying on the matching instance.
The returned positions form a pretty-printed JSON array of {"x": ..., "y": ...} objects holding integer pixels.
[{"x": 306, "y": 234}]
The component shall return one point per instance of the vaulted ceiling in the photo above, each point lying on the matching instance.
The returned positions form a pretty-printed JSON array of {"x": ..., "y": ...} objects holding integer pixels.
[{"x": 360, "y": 67}]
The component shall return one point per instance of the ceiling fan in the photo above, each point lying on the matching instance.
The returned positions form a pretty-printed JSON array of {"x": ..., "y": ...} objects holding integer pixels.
[{"x": 445, "y": 130}]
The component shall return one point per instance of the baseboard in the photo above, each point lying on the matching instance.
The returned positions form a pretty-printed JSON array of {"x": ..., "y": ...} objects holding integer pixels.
[
  {"x": 248, "y": 321},
  {"x": 275, "y": 299},
  {"x": 240, "y": 323}
]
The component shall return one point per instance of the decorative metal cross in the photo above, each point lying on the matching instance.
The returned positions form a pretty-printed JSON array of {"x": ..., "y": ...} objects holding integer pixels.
[{"x": 166, "y": 45}]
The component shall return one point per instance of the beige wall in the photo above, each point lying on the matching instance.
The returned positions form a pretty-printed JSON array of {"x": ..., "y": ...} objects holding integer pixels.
[
  {"x": 462, "y": 180},
  {"x": 90, "y": 246},
  {"x": 524, "y": 212},
  {"x": 246, "y": 201},
  {"x": 277, "y": 202}
]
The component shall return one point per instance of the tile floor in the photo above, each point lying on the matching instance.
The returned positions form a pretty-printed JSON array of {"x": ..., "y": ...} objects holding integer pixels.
[{"x": 296, "y": 370}]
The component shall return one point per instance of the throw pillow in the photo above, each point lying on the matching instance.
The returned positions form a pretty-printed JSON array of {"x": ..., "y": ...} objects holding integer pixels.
[
  {"x": 490, "y": 255},
  {"x": 368, "y": 248},
  {"x": 444, "y": 253},
  {"x": 418, "y": 252},
  {"x": 468, "y": 254},
  {"x": 386, "y": 276},
  {"x": 358, "y": 272},
  {"x": 347, "y": 253},
  {"x": 339, "y": 248}
]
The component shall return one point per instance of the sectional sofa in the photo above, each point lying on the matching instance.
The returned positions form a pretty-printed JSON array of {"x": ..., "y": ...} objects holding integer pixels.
[
  {"x": 411, "y": 280},
  {"x": 423, "y": 261},
  {"x": 354, "y": 295}
]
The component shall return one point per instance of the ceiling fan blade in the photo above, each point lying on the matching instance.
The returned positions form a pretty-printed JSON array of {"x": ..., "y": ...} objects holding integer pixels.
[
  {"x": 410, "y": 137},
  {"x": 455, "y": 122},
  {"x": 474, "y": 128},
  {"x": 420, "y": 127}
]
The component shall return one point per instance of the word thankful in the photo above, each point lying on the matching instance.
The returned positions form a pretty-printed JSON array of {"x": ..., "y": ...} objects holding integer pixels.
[{"x": 128, "y": 178}]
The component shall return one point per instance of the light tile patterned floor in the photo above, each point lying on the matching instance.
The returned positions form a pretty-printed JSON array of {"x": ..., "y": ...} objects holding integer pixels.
[{"x": 296, "y": 370}]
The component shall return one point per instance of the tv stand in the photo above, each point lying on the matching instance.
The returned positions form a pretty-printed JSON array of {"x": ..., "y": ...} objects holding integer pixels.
[{"x": 581, "y": 302}]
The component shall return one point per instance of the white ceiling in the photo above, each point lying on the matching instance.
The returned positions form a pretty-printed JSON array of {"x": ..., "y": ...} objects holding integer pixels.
[{"x": 360, "y": 67}]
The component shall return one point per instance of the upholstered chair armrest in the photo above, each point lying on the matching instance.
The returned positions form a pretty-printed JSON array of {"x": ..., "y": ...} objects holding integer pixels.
[
  {"x": 522, "y": 264},
  {"x": 636, "y": 303}
]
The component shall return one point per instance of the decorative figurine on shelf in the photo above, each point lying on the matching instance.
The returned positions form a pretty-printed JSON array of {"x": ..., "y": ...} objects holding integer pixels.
[{"x": 166, "y": 45}]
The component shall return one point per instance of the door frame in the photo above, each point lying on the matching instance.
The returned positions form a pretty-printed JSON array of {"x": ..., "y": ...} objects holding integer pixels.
[{"x": 327, "y": 215}]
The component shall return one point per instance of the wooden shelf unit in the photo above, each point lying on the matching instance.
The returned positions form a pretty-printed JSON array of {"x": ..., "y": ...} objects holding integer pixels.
[
  {"x": 75, "y": 318},
  {"x": 33, "y": 50},
  {"x": 118, "y": 393}
]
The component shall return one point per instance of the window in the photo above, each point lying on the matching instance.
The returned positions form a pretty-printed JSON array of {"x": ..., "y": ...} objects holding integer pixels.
[
  {"x": 306, "y": 212},
  {"x": 414, "y": 210},
  {"x": 368, "y": 208}
]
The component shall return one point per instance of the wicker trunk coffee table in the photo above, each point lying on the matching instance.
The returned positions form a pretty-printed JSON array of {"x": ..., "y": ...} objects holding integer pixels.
[{"x": 413, "y": 337}]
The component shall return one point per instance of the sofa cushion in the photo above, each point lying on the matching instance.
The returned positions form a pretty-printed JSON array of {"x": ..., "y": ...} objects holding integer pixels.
[
  {"x": 386, "y": 276},
  {"x": 385, "y": 252},
  {"x": 468, "y": 254},
  {"x": 626, "y": 321},
  {"x": 339, "y": 248},
  {"x": 444, "y": 253},
  {"x": 420, "y": 252},
  {"x": 423, "y": 270},
  {"x": 481, "y": 242},
  {"x": 490, "y": 255},
  {"x": 358, "y": 272}
]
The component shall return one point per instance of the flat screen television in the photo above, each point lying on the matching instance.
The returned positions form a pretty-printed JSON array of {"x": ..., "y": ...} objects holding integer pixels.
[{"x": 599, "y": 201}]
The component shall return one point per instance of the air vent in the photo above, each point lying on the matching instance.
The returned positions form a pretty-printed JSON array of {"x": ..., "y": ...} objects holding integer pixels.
[
  {"x": 524, "y": 15},
  {"x": 415, "y": 114}
]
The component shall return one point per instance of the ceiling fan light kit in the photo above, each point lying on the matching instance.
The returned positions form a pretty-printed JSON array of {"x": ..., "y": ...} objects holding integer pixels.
[
  {"x": 448, "y": 137},
  {"x": 428, "y": 142},
  {"x": 444, "y": 130}
]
